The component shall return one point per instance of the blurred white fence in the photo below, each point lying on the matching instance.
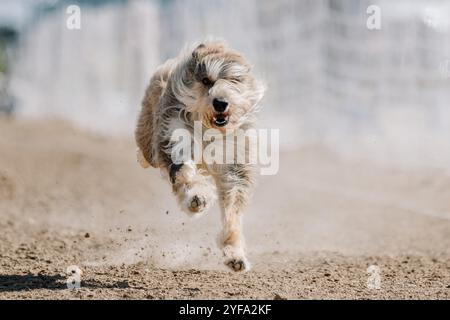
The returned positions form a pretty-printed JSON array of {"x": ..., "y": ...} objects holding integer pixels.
[
  {"x": 383, "y": 93},
  {"x": 95, "y": 76}
]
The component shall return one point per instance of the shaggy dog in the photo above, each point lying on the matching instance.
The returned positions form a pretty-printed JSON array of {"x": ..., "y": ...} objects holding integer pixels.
[{"x": 210, "y": 83}]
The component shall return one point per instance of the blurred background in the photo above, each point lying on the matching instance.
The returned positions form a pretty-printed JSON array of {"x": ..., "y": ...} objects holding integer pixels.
[
  {"x": 364, "y": 121},
  {"x": 382, "y": 94}
]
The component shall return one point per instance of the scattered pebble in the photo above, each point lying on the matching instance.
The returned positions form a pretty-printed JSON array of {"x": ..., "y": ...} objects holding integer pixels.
[{"x": 278, "y": 297}]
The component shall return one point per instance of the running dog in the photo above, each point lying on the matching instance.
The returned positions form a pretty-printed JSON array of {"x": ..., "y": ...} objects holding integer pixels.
[{"x": 212, "y": 84}]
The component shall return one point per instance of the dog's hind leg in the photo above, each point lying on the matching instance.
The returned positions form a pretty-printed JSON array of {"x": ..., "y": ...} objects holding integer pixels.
[
  {"x": 234, "y": 186},
  {"x": 141, "y": 159},
  {"x": 146, "y": 127}
]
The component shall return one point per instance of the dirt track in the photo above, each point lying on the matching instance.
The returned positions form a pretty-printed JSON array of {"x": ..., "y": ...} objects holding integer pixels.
[{"x": 73, "y": 198}]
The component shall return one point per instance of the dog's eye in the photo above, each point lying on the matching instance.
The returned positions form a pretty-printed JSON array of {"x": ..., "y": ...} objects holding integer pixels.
[{"x": 206, "y": 82}]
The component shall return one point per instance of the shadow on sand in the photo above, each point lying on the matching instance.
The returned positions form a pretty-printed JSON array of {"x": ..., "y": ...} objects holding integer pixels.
[{"x": 14, "y": 283}]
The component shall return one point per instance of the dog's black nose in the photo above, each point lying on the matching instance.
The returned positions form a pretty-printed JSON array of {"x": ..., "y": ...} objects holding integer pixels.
[{"x": 219, "y": 105}]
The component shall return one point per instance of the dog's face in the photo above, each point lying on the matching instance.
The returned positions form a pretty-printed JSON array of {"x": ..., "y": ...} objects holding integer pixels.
[{"x": 218, "y": 88}]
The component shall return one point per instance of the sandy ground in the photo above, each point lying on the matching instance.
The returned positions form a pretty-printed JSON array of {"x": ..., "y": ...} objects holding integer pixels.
[{"x": 74, "y": 198}]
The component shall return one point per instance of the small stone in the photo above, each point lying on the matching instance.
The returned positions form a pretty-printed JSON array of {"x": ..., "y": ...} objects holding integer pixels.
[
  {"x": 278, "y": 297},
  {"x": 87, "y": 235}
]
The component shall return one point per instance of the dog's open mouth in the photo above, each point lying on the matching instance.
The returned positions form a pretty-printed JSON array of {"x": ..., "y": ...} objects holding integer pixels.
[{"x": 221, "y": 119}]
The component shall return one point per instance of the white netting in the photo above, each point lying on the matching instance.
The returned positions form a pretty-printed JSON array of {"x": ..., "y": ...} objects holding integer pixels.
[{"x": 330, "y": 78}]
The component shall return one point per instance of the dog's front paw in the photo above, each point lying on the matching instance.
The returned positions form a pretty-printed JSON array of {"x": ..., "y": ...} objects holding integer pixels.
[
  {"x": 198, "y": 197},
  {"x": 235, "y": 259},
  {"x": 238, "y": 264},
  {"x": 197, "y": 203}
]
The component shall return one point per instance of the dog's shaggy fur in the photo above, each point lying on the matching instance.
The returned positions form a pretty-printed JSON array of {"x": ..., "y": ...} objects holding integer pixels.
[{"x": 213, "y": 84}]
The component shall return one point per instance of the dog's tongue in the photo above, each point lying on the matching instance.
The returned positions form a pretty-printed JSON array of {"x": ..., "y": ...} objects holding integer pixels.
[{"x": 221, "y": 120}]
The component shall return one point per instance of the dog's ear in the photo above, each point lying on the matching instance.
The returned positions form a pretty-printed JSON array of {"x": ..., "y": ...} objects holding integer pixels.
[
  {"x": 195, "y": 58},
  {"x": 196, "y": 52}
]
